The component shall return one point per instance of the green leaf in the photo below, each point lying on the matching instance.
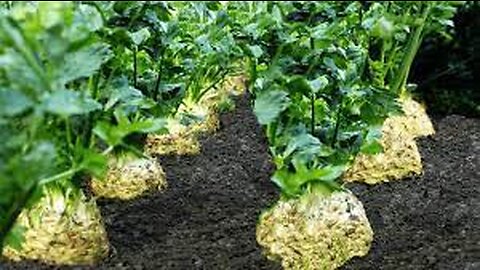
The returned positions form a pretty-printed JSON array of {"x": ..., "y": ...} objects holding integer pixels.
[
  {"x": 35, "y": 197},
  {"x": 82, "y": 63},
  {"x": 383, "y": 28},
  {"x": 277, "y": 14},
  {"x": 320, "y": 31},
  {"x": 255, "y": 50},
  {"x": 298, "y": 84},
  {"x": 140, "y": 36},
  {"x": 269, "y": 105},
  {"x": 114, "y": 135},
  {"x": 41, "y": 157},
  {"x": 121, "y": 117},
  {"x": 90, "y": 160},
  {"x": 371, "y": 148},
  {"x": 287, "y": 182},
  {"x": 291, "y": 183},
  {"x": 213, "y": 5},
  {"x": 309, "y": 143},
  {"x": 155, "y": 125},
  {"x": 305, "y": 148},
  {"x": 319, "y": 83},
  {"x": 107, "y": 132},
  {"x": 372, "y": 145},
  {"x": 94, "y": 163},
  {"x": 338, "y": 72},
  {"x": 13, "y": 102},
  {"x": 203, "y": 42},
  {"x": 15, "y": 237},
  {"x": 67, "y": 102},
  {"x": 300, "y": 142},
  {"x": 89, "y": 17},
  {"x": 325, "y": 188},
  {"x": 144, "y": 126},
  {"x": 143, "y": 103},
  {"x": 54, "y": 13},
  {"x": 122, "y": 92},
  {"x": 120, "y": 37},
  {"x": 329, "y": 173}
]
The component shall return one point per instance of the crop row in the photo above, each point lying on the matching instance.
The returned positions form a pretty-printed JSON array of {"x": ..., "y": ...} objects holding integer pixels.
[{"x": 91, "y": 92}]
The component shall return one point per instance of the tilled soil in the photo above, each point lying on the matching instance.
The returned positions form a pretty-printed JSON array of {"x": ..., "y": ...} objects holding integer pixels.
[
  {"x": 431, "y": 221},
  {"x": 206, "y": 218}
]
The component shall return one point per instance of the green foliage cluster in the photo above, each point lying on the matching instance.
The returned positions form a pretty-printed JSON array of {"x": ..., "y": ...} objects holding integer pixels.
[
  {"x": 82, "y": 80},
  {"x": 327, "y": 74}
]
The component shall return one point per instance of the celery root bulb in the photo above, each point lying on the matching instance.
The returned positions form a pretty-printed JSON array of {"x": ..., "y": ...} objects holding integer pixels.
[
  {"x": 182, "y": 138},
  {"x": 130, "y": 177},
  {"x": 64, "y": 227},
  {"x": 400, "y": 157},
  {"x": 315, "y": 231},
  {"x": 172, "y": 144}
]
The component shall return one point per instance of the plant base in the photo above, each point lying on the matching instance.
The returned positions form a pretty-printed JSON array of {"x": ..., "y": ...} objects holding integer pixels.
[
  {"x": 400, "y": 157},
  {"x": 170, "y": 144},
  {"x": 417, "y": 122},
  {"x": 62, "y": 228},
  {"x": 210, "y": 123},
  {"x": 315, "y": 231},
  {"x": 130, "y": 177},
  {"x": 183, "y": 139},
  {"x": 235, "y": 85}
]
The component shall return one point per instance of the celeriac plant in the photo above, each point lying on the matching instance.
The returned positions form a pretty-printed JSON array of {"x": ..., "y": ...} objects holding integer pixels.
[
  {"x": 51, "y": 112},
  {"x": 326, "y": 75},
  {"x": 310, "y": 93},
  {"x": 397, "y": 29},
  {"x": 174, "y": 53}
]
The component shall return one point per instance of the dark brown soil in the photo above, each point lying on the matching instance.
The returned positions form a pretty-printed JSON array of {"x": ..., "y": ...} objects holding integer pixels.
[
  {"x": 432, "y": 221},
  {"x": 206, "y": 218}
]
